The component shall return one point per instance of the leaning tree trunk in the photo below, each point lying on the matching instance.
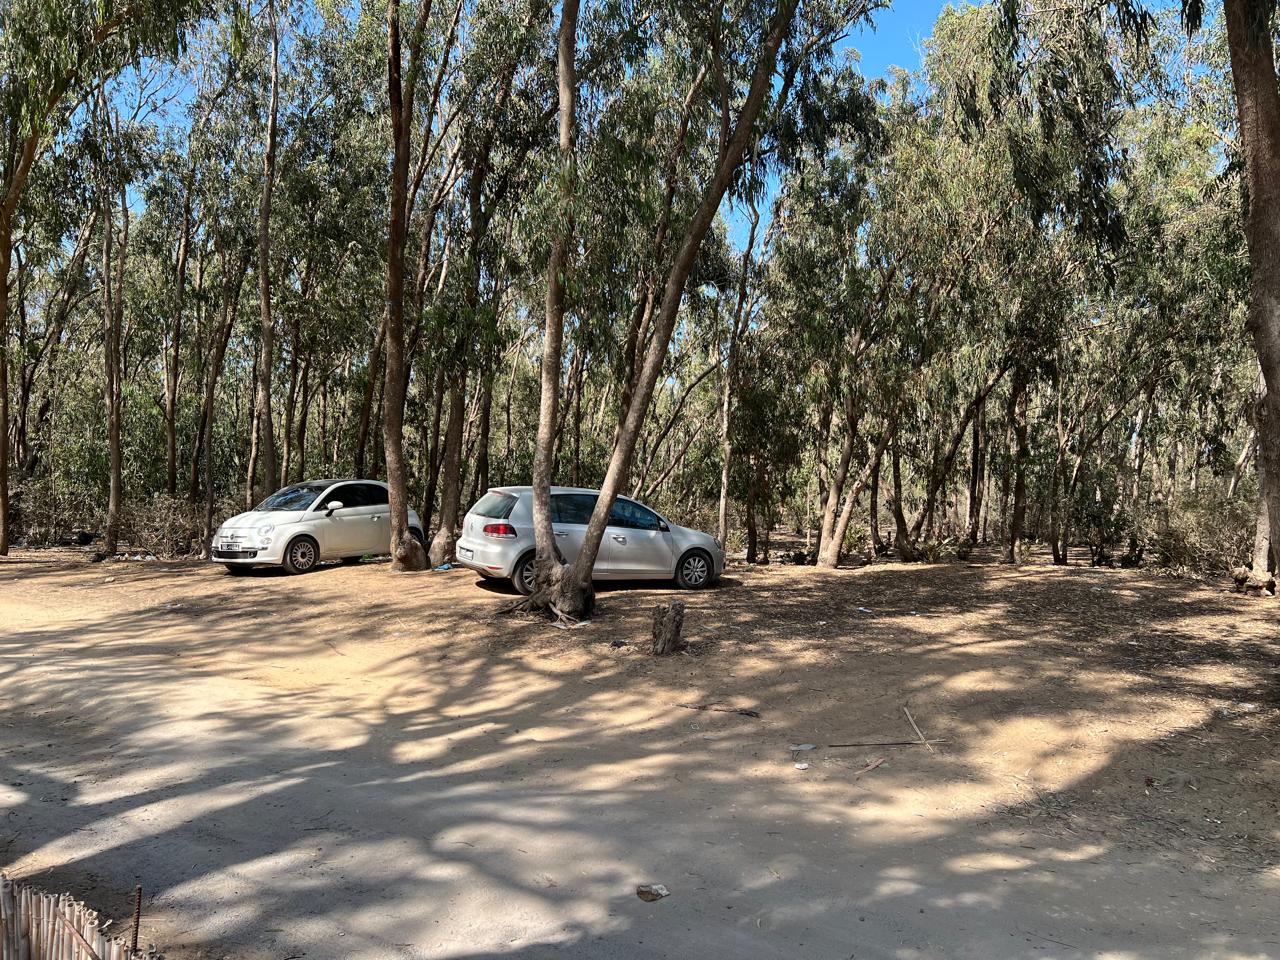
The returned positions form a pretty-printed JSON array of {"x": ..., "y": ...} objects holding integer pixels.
[
  {"x": 1253, "y": 70},
  {"x": 734, "y": 141}
]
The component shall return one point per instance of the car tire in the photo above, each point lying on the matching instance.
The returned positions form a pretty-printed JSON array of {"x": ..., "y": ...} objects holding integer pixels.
[
  {"x": 418, "y": 535},
  {"x": 522, "y": 575},
  {"x": 236, "y": 570},
  {"x": 695, "y": 570},
  {"x": 301, "y": 555}
]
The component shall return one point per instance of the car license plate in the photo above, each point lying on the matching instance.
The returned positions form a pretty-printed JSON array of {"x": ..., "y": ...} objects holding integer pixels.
[{"x": 465, "y": 554}]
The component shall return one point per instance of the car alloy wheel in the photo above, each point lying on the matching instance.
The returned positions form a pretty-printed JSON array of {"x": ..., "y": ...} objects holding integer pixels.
[
  {"x": 302, "y": 555},
  {"x": 694, "y": 570},
  {"x": 527, "y": 573}
]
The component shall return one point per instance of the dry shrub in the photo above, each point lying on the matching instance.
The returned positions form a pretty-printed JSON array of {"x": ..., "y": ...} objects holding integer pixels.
[
  {"x": 163, "y": 526},
  {"x": 1203, "y": 535}
]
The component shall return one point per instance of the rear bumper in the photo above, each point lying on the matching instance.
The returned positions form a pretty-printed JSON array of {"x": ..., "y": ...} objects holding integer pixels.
[{"x": 493, "y": 558}]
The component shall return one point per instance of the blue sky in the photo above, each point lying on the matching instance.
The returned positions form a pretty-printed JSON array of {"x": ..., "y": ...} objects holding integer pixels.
[
  {"x": 895, "y": 39},
  {"x": 896, "y": 36}
]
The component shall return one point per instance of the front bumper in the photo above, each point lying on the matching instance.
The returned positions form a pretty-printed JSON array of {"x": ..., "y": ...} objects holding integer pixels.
[{"x": 248, "y": 551}]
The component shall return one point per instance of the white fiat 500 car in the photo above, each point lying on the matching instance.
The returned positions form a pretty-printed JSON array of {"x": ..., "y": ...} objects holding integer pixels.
[
  {"x": 639, "y": 544},
  {"x": 301, "y": 525}
]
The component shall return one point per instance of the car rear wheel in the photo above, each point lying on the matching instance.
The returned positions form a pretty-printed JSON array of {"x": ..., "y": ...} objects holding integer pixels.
[
  {"x": 301, "y": 555},
  {"x": 417, "y": 535},
  {"x": 695, "y": 570},
  {"x": 523, "y": 575}
]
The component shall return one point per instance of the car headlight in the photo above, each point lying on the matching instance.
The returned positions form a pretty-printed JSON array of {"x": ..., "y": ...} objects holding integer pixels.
[{"x": 266, "y": 528}]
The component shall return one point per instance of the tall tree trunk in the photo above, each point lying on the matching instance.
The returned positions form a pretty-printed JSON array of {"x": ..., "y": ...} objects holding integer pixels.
[
  {"x": 372, "y": 374},
  {"x": 873, "y": 514},
  {"x": 173, "y": 366},
  {"x": 902, "y": 536},
  {"x": 734, "y": 140},
  {"x": 6, "y": 250},
  {"x": 1253, "y": 69},
  {"x": 267, "y": 337},
  {"x": 1021, "y": 454},
  {"x": 549, "y": 569},
  {"x": 736, "y": 329},
  {"x": 433, "y": 455},
  {"x": 753, "y": 535},
  {"x": 977, "y": 473},
  {"x": 232, "y": 282},
  {"x": 406, "y": 552},
  {"x": 112, "y": 321},
  {"x": 451, "y": 473}
]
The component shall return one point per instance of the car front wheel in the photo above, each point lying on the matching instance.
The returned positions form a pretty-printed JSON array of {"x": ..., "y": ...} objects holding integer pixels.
[
  {"x": 301, "y": 555},
  {"x": 695, "y": 570}
]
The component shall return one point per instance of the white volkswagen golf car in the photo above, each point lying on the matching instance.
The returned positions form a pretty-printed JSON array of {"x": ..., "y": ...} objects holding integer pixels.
[
  {"x": 639, "y": 544},
  {"x": 301, "y": 525}
]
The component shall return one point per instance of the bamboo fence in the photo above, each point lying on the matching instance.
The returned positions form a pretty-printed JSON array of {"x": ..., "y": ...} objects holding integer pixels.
[{"x": 35, "y": 925}]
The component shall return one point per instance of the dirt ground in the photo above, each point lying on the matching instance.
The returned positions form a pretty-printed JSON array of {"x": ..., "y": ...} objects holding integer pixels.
[{"x": 353, "y": 764}]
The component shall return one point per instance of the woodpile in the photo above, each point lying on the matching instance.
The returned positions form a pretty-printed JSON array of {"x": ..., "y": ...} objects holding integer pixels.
[{"x": 35, "y": 925}]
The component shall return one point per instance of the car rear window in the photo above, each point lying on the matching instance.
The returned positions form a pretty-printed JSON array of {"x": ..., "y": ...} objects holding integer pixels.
[{"x": 494, "y": 505}]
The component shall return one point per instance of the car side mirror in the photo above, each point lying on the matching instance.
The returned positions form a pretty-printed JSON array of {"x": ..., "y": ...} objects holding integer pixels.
[
  {"x": 331, "y": 506},
  {"x": 664, "y": 526}
]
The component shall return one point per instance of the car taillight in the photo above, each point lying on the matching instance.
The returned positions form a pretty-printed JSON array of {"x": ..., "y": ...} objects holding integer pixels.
[{"x": 500, "y": 531}]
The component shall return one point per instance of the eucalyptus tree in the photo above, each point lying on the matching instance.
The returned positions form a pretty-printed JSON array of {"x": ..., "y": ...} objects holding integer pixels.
[
  {"x": 51, "y": 54},
  {"x": 754, "y": 67}
]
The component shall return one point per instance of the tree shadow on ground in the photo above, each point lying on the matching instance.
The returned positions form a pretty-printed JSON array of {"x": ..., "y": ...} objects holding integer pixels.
[{"x": 361, "y": 765}]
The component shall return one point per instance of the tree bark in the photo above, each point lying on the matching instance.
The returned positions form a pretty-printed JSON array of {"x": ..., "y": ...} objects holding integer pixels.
[
  {"x": 450, "y": 471},
  {"x": 1253, "y": 70},
  {"x": 549, "y": 569}
]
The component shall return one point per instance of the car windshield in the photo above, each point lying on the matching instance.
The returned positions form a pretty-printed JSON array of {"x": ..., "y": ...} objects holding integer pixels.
[{"x": 298, "y": 497}]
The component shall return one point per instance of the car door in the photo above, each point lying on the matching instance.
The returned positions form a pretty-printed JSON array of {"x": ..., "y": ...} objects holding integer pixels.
[
  {"x": 345, "y": 532},
  {"x": 636, "y": 543},
  {"x": 377, "y": 537},
  {"x": 570, "y": 514}
]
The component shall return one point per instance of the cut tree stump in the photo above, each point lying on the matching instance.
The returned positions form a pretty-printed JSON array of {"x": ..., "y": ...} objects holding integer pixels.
[{"x": 668, "y": 622}]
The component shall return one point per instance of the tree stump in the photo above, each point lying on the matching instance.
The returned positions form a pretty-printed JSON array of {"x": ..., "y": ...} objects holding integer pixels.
[{"x": 668, "y": 622}]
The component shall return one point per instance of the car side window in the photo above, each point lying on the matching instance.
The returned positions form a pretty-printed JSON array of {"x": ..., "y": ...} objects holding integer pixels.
[
  {"x": 632, "y": 516},
  {"x": 346, "y": 493},
  {"x": 572, "y": 508},
  {"x": 374, "y": 495}
]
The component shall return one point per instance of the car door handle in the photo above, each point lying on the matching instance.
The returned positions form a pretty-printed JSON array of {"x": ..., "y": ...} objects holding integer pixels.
[
  {"x": 562, "y": 533},
  {"x": 619, "y": 538}
]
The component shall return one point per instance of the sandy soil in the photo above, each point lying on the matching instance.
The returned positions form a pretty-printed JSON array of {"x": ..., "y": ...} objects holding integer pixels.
[{"x": 353, "y": 764}]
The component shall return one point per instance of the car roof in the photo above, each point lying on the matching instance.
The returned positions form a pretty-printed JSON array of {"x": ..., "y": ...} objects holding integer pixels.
[
  {"x": 516, "y": 491},
  {"x": 332, "y": 480}
]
